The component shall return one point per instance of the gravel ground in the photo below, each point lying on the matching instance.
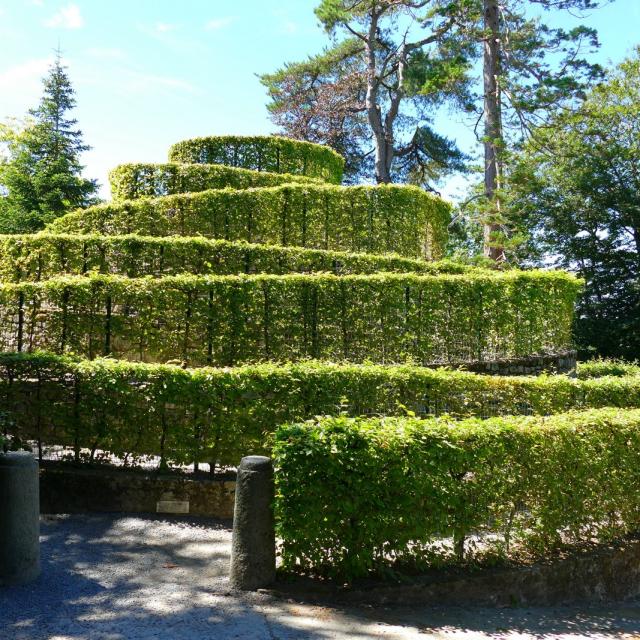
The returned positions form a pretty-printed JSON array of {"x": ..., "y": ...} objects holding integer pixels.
[{"x": 117, "y": 577}]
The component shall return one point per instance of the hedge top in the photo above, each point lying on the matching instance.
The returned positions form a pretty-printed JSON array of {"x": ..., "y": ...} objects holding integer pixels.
[
  {"x": 262, "y": 153},
  {"x": 136, "y": 180}
]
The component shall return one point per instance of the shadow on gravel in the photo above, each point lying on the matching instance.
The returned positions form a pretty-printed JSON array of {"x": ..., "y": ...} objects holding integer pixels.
[{"x": 115, "y": 577}]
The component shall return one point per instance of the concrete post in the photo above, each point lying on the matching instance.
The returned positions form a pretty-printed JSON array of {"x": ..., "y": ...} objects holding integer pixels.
[
  {"x": 253, "y": 547},
  {"x": 19, "y": 518}
]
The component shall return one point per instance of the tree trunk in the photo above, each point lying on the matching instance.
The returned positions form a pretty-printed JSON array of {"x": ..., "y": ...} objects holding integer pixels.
[
  {"x": 492, "y": 127},
  {"x": 374, "y": 113}
]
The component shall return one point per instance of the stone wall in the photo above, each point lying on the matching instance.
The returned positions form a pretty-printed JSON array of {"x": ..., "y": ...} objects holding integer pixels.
[
  {"x": 530, "y": 366},
  {"x": 64, "y": 489}
]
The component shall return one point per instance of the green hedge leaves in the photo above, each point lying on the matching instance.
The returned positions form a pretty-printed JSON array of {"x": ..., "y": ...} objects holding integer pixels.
[
  {"x": 137, "y": 180},
  {"x": 262, "y": 153},
  {"x": 229, "y": 320},
  {"x": 207, "y": 414},
  {"x": 44, "y": 255},
  {"x": 354, "y": 496},
  {"x": 388, "y": 218}
]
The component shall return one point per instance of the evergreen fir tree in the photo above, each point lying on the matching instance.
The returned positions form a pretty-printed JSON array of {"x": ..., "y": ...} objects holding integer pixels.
[{"x": 41, "y": 177}]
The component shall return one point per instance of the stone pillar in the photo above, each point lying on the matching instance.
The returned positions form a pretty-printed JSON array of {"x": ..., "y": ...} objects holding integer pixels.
[
  {"x": 19, "y": 518},
  {"x": 253, "y": 548}
]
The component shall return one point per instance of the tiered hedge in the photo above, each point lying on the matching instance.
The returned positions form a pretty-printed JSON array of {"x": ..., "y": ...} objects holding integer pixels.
[
  {"x": 228, "y": 320},
  {"x": 262, "y": 153},
  {"x": 44, "y": 255},
  {"x": 136, "y": 180},
  {"x": 202, "y": 415},
  {"x": 389, "y": 218},
  {"x": 358, "y": 495}
]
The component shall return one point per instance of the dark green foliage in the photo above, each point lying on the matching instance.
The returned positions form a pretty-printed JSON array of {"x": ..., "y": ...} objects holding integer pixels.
[
  {"x": 355, "y": 496},
  {"x": 43, "y": 256},
  {"x": 137, "y": 180},
  {"x": 227, "y": 320},
  {"x": 599, "y": 368},
  {"x": 223, "y": 414},
  {"x": 388, "y": 218},
  {"x": 576, "y": 190},
  {"x": 41, "y": 176},
  {"x": 262, "y": 153}
]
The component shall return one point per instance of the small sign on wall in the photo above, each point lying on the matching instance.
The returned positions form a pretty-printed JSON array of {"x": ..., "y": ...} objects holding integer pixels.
[{"x": 172, "y": 506}]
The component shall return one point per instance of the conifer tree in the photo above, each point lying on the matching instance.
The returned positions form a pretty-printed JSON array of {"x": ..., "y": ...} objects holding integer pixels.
[{"x": 41, "y": 175}]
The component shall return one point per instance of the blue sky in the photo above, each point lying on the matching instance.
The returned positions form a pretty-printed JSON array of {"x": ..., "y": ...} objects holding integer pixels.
[{"x": 151, "y": 72}]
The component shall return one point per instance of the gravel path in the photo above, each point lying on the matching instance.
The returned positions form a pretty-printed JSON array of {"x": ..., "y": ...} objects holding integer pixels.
[{"x": 117, "y": 577}]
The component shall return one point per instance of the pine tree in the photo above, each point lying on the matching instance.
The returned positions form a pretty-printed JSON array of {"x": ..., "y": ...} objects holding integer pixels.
[
  {"x": 372, "y": 94},
  {"x": 41, "y": 177}
]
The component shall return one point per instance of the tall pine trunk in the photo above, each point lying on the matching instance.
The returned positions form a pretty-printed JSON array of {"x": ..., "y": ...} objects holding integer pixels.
[
  {"x": 492, "y": 127},
  {"x": 382, "y": 137}
]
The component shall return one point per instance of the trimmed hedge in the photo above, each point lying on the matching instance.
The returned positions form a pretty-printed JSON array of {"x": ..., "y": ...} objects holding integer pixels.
[
  {"x": 202, "y": 415},
  {"x": 228, "y": 320},
  {"x": 387, "y": 218},
  {"x": 137, "y": 180},
  {"x": 33, "y": 257},
  {"x": 355, "y": 496},
  {"x": 599, "y": 368},
  {"x": 262, "y": 153}
]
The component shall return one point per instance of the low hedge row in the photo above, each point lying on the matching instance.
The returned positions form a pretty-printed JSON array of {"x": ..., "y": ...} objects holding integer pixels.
[
  {"x": 45, "y": 255},
  {"x": 262, "y": 153},
  {"x": 229, "y": 320},
  {"x": 354, "y": 496},
  {"x": 599, "y": 368},
  {"x": 202, "y": 415},
  {"x": 136, "y": 180},
  {"x": 388, "y": 218}
]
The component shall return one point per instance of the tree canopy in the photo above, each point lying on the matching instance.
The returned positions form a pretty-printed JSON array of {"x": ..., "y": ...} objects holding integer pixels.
[
  {"x": 373, "y": 92},
  {"x": 575, "y": 190}
]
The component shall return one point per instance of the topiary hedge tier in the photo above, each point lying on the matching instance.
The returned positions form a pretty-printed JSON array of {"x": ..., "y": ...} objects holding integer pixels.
[
  {"x": 262, "y": 153},
  {"x": 47, "y": 255},
  {"x": 227, "y": 320},
  {"x": 427, "y": 493},
  {"x": 389, "y": 218},
  {"x": 143, "y": 179},
  {"x": 202, "y": 415}
]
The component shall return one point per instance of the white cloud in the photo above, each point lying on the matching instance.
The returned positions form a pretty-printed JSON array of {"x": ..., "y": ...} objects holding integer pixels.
[
  {"x": 218, "y": 23},
  {"x": 25, "y": 76},
  {"x": 164, "y": 27},
  {"x": 68, "y": 17}
]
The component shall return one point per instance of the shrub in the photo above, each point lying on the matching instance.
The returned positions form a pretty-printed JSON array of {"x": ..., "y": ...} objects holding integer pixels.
[
  {"x": 130, "y": 181},
  {"x": 228, "y": 320},
  {"x": 402, "y": 219},
  {"x": 262, "y": 153},
  {"x": 45, "y": 255},
  {"x": 599, "y": 368},
  {"x": 187, "y": 415},
  {"x": 355, "y": 495}
]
